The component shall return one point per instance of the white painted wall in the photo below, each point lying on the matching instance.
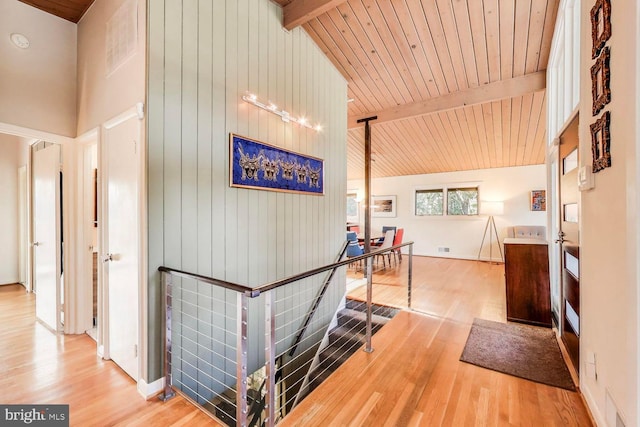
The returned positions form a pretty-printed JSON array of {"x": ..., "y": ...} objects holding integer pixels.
[
  {"x": 609, "y": 227},
  {"x": 102, "y": 96},
  {"x": 11, "y": 150},
  {"x": 38, "y": 84},
  {"x": 462, "y": 235}
]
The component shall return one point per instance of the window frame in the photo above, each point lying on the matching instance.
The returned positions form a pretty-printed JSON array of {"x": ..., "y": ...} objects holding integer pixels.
[
  {"x": 444, "y": 188},
  {"x": 464, "y": 188},
  {"x": 428, "y": 190}
]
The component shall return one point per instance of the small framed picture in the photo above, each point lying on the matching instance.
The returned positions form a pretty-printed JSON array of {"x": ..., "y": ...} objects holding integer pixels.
[
  {"x": 600, "y": 26},
  {"x": 539, "y": 200},
  {"x": 600, "y": 142},
  {"x": 600, "y": 82},
  {"x": 353, "y": 207},
  {"x": 383, "y": 206}
]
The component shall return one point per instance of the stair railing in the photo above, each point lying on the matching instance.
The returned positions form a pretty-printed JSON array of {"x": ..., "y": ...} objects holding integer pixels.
[
  {"x": 207, "y": 338},
  {"x": 317, "y": 300}
]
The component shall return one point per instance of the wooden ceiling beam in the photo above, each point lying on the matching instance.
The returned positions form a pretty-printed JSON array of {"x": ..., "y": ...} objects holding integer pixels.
[
  {"x": 300, "y": 11},
  {"x": 503, "y": 89}
]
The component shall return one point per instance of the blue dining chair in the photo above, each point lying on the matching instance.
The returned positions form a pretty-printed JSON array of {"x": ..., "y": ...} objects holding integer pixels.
[{"x": 354, "y": 249}]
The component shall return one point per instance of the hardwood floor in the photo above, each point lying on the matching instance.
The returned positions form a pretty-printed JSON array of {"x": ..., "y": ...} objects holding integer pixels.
[
  {"x": 38, "y": 367},
  {"x": 414, "y": 376}
]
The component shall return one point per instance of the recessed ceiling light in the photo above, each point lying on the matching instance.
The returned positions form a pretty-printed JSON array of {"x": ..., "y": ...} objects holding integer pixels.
[{"x": 20, "y": 40}]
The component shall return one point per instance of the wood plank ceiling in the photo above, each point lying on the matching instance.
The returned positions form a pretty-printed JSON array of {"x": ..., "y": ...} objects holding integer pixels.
[
  {"x": 421, "y": 66},
  {"x": 71, "y": 10},
  {"x": 455, "y": 83}
]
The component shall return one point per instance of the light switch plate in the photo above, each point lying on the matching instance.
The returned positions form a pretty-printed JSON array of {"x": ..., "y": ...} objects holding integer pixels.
[{"x": 586, "y": 180}]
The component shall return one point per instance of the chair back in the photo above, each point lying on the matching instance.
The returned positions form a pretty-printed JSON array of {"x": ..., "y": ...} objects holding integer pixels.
[
  {"x": 352, "y": 236},
  {"x": 354, "y": 249},
  {"x": 398, "y": 239},
  {"x": 388, "y": 239},
  {"x": 386, "y": 228}
]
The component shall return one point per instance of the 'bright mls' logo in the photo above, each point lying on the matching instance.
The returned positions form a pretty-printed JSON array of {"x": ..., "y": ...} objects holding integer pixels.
[{"x": 37, "y": 415}]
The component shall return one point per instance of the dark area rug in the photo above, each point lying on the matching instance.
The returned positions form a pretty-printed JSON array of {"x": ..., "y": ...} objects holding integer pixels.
[{"x": 528, "y": 352}]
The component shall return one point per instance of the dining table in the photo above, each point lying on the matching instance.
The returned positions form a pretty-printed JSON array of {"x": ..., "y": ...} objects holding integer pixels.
[{"x": 373, "y": 238}]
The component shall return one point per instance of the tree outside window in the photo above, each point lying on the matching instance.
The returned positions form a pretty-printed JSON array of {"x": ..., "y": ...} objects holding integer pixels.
[
  {"x": 462, "y": 201},
  {"x": 429, "y": 202}
]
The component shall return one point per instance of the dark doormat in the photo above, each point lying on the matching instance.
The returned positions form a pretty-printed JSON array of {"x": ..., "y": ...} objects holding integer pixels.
[{"x": 528, "y": 352}]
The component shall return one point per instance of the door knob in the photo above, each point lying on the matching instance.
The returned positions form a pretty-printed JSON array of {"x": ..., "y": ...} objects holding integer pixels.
[
  {"x": 108, "y": 258},
  {"x": 560, "y": 238},
  {"x": 36, "y": 243}
]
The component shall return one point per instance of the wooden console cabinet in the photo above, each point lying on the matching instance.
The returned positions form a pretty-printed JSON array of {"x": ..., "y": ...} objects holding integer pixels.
[{"x": 526, "y": 266}]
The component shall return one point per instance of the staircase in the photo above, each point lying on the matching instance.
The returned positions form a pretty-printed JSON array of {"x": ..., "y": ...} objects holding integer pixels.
[
  {"x": 348, "y": 337},
  {"x": 342, "y": 341}
]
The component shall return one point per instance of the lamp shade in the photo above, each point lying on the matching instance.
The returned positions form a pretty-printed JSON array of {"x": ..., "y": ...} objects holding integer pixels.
[{"x": 491, "y": 208}]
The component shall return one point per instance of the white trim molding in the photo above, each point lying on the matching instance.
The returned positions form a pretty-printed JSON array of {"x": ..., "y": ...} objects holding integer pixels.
[{"x": 150, "y": 390}]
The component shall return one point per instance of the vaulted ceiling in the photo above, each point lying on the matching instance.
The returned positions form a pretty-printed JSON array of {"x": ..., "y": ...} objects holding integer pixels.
[{"x": 455, "y": 84}]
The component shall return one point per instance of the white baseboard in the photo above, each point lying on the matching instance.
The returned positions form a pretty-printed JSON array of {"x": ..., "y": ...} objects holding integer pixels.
[
  {"x": 150, "y": 390},
  {"x": 593, "y": 407}
]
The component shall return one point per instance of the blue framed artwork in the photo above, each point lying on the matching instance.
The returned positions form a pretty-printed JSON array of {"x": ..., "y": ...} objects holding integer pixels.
[{"x": 254, "y": 164}]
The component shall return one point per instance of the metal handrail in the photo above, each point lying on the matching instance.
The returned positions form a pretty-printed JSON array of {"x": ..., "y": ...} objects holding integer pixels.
[
  {"x": 254, "y": 292},
  {"x": 316, "y": 301},
  {"x": 242, "y": 295}
]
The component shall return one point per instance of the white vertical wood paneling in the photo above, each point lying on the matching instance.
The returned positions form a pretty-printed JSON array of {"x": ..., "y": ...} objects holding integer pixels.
[{"x": 203, "y": 56}]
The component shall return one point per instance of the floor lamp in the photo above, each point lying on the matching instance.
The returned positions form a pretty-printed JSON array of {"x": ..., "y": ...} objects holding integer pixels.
[{"x": 491, "y": 209}]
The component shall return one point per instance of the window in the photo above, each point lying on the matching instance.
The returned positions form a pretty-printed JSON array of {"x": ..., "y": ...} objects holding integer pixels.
[
  {"x": 429, "y": 202},
  {"x": 462, "y": 201}
]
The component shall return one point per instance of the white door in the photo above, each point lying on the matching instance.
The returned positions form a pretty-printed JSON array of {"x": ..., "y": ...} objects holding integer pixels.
[
  {"x": 46, "y": 235},
  {"x": 120, "y": 165}
]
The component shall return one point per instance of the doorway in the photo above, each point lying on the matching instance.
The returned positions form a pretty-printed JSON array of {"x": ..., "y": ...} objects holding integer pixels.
[{"x": 90, "y": 196}]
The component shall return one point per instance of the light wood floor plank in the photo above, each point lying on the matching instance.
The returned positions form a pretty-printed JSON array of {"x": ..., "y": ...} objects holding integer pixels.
[
  {"x": 38, "y": 367},
  {"x": 414, "y": 376}
]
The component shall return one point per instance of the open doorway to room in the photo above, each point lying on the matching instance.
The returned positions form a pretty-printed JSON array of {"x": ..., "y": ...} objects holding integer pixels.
[
  {"x": 14, "y": 206},
  {"x": 91, "y": 224}
]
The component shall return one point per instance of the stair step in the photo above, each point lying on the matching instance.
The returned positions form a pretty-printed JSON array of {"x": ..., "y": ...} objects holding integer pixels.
[
  {"x": 347, "y": 338},
  {"x": 334, "y": 356},
  {"x": 349, "y": 317},
  {"x": 379, "y": 310},
  {"x": 342, "y": 336}
]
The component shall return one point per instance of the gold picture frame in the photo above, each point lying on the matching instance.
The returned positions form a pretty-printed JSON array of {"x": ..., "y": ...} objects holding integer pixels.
[
  {"x": 601, "y": 82},
  {"x": 600, "y": 26},
  {"x": 601, "y": 142}
]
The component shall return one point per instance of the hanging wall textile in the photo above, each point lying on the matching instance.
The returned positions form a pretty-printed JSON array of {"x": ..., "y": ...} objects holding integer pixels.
[{"x": 254, "y": 164}]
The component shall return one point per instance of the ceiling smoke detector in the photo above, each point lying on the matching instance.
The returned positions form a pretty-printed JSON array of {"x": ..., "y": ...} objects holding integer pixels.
[{"x": 20, "y": 40}]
